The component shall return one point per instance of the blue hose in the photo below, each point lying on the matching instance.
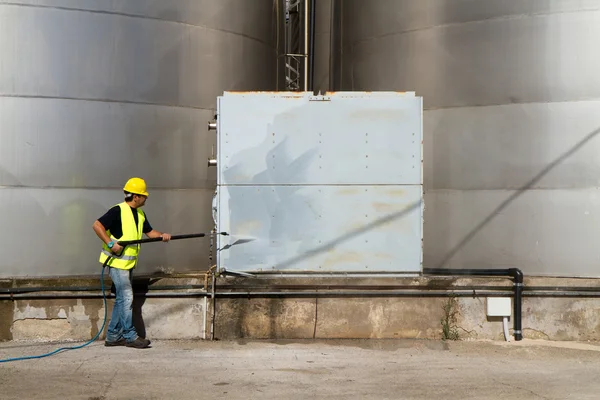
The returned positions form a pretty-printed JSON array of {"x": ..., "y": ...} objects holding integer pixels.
[{"x": 74, "y": 347}]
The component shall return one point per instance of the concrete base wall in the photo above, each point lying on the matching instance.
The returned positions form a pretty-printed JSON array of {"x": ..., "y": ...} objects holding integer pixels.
[
  {"x": 44, "y": 320},
  {"x": 552, "y": 318}
]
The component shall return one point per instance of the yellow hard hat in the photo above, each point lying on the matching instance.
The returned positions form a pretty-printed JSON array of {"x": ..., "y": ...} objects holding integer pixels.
[{"x": 136, "y": 186}]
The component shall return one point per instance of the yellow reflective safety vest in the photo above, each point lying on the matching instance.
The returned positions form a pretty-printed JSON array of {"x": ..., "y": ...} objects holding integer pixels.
[{"x": 128, "y": 257}]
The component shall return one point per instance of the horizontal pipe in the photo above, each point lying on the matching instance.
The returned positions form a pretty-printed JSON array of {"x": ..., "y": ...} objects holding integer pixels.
[
  {"x": 358, "y": 287},
  {"x": 255, "y": 288},
  {"x": 563, "y": 294},
  {"x": 89, "y": 288},
  {"x": 263, "y": 288},
  {"x": 334, "y": 273},
  {"x": 561, "y": 288},
  {"x": 393, "y": 293},
  {"x": 310, "y": 294},
  {"x": 53, "y": 296},
  {"x": 471, "y": 272}
]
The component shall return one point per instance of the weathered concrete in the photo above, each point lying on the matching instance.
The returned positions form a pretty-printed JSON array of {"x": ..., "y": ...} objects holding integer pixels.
[
  {"x": 6, "y": 320},
  {"x": 333, "y": 369},
  {"x": 81, "y": 318},
  {"x": 308, "y": 317},
  {"x": 265, "y": 318},
  {"x": 387, "y": 317}
]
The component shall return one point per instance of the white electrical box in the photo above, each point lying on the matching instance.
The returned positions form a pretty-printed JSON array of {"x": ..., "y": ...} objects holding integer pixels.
[{"x": 499, "y": 306}]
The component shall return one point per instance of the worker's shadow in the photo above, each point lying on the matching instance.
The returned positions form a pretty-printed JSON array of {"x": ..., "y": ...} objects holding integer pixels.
[{"x": 140, "y": 289}]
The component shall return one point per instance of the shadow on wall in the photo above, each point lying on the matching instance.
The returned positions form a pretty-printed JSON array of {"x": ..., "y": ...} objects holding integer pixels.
[
  {"x": 140, "y": 289},
  {"x": 463, "y": 242},
  {"x": 528, "y": 185}
]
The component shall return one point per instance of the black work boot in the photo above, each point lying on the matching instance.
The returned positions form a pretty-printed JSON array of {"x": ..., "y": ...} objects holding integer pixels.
[
  {"x": 138, "y": 343},
  {"x": 120, "y": 342}
]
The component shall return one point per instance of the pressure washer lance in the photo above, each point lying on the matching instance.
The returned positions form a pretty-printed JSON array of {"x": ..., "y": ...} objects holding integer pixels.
[
  {"x": 124, "y": 244},
  {"x": 174, "y": 237}
]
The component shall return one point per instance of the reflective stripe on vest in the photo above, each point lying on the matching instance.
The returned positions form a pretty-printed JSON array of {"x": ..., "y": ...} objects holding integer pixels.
[
  {"x": 128, "y": 257},
  {"x": 118, "y": 257}
]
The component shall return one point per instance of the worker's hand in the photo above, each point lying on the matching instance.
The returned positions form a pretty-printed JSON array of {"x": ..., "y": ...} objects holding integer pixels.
[
  {"x": 117, "y": 248},
  {"x": 165, "y": 237}
]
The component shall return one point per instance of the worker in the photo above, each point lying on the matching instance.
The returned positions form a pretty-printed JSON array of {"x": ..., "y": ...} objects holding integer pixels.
[{"x": 125, "y": 221}]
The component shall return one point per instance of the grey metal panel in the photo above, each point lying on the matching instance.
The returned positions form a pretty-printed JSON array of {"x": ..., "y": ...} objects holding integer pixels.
[
  {"x": 93, "y": 92},
  {"x": 547, "y": 57},
  {"x": 376, "y": 18},
  {"x": 117, "y": 58},
  {"x": 237, "y": 16},
  {"x": 48, "y": 232},
  {"x": 542, "y": 232},
  {"x": 349, "y": 139},
  {"x": 321, "y": 228},
  {"x": 505, "y": 147},
  {"x": 71, "y": 143}
]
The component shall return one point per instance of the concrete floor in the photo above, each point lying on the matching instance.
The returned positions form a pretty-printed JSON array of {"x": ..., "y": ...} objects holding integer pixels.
[{"x": 333, "y": 369}]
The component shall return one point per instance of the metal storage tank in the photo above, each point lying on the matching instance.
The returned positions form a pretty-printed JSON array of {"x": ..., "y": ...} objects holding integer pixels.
[
  {"x": 511, "y": 92},
  {"x": 93, "y": 92}
]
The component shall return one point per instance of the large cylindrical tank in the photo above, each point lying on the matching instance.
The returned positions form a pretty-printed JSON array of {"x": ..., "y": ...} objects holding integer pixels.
[
  {"x": 511, "y": 94},
  {"x": 93, "y": 92}
]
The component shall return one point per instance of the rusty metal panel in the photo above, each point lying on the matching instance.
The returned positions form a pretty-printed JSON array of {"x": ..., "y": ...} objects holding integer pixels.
[{"x": 327, "y": 183}]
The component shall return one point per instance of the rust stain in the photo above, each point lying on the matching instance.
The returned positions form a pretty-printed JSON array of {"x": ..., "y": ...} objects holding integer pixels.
[
  {"x": 340, "y": 258},
  {"x": 384, "y": 207},
  {"x": 396, "y": 192},
  {"x": 348, "y": 191},
  {"x": 383, "y": 256},
  {"x": 241, "y": 178},
  {"x": 353, "y": 227}
]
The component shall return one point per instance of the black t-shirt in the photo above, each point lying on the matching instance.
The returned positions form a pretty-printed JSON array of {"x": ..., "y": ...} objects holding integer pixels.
[{"x": 112, "y": 221}]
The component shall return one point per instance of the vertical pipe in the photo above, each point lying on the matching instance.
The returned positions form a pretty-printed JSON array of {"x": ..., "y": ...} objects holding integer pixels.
[
  {"x": 214, "y": 308},
  {"x": 306, "y": 40},
  {"x": 205, "y": 318},
  {"x": 518, "y": 285},
  {"x": 335, "y": 46},
  {"x": 311, "y": 45}
]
